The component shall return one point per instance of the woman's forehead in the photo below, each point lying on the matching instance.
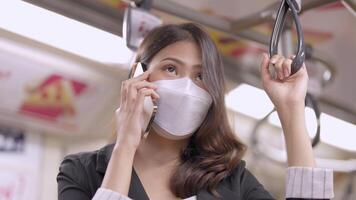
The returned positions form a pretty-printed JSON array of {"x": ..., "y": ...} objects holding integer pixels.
[{"x": 183, "y": 52}]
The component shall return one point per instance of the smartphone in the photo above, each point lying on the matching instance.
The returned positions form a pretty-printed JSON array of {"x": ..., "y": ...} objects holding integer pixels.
[{"x": 150, "y": 108}]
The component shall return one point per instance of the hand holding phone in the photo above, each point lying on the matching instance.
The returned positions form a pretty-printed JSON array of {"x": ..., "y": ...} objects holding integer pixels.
[
  {"x": 150, "y": 108},
  {"x": 136, "y": 111}
]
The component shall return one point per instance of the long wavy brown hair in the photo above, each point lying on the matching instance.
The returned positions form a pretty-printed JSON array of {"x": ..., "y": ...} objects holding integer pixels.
[{"x": 214, "y": 150}]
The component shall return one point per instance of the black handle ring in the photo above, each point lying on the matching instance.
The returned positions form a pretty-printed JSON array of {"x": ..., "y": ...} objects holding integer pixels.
[
  {"x": 299, "y": 59},
  {"x": 309, "y": 101}
]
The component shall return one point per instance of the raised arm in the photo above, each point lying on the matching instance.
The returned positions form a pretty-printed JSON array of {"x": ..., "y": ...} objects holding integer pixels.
[
  {"x": 287, "y": 94},
  {"x": 304, "y": 179}
]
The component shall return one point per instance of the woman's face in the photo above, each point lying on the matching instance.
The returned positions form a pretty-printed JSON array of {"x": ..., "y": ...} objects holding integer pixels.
[{"x": 178, "y": 60}]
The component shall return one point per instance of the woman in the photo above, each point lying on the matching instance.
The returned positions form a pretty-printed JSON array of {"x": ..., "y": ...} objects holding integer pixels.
[{"x": 191, "y": 151}]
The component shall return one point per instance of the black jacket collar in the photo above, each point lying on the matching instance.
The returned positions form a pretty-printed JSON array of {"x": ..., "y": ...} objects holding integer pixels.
[{"x": 136, "y": 188}]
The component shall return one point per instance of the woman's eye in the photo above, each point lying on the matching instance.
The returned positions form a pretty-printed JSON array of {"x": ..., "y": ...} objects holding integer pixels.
[
  {"x": 170, "y": 69},
  {"x": 200, "y": 77}
]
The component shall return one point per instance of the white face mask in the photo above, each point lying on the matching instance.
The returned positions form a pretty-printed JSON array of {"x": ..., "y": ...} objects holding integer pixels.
[{"x": 182, "y": 108}]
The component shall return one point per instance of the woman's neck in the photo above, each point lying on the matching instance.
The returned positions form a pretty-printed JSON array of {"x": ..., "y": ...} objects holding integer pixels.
[{"x": 157, "y": 150}]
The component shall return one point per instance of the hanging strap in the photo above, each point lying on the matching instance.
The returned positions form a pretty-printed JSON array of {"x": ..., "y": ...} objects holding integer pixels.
[{"x": 286, "y": 5}]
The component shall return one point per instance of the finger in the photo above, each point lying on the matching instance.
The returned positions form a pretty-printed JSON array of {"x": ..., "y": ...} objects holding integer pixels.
[
  {"x": 301, "y": 71},
  {"x": 143, "y": 76},
  {"x": 291, "y": 57},
  {"x": 140, "y": 84},
  {"x": 275, "y": 58},
  {"x": 144, "y": 84},
  {"x": 131, "y": 92},
  {"x": 278, "y": 68},
  {"x": 122, "y": 93},
  {"x": 142, "y": 93},
  {"x": 140, "y": 77},
  {"x": 273, "y": 61},
  {"x": 125, "y": 93},
  {"x": 136, "y": 84},
  {"x": 286, "y": 67},
  {"x": 265, "y": 75}
]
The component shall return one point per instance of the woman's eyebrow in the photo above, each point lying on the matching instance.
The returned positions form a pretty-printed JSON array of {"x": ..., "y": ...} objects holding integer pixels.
[{"x": 180, "y": 62}]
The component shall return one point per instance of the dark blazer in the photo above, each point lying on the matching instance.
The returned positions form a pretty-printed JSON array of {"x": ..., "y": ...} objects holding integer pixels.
[{"x": 80, "y": 175}]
